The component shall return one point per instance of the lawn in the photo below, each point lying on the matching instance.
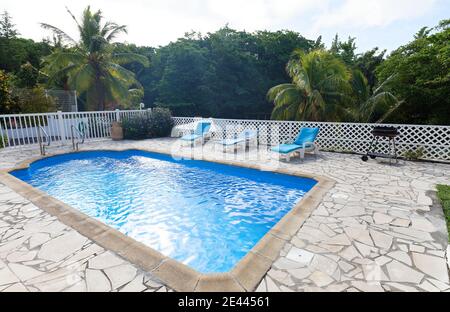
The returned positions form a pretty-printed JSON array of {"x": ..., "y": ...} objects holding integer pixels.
[{"x": 444, "y": 196}]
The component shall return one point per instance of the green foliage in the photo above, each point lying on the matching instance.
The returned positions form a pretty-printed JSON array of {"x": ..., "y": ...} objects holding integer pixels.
[
  {"x": 161, "y": 122},
  {"x": 324, "y": 88},
  {"x": 91, "y": 65},
  {"x": 157, "y": 123},
  {"x": 422, "y": 76},
  {"x": 5, "y": 139},
  {"x": 32, "y": 100},
  {"x": 7, "y": 28},
  {"x": 444, "y": 196},
  {"x": 222, "y": 74},
  {"x": 27, "y": 76},
  {"x": 414, "y": 154},
  {"x": 320, "y": 82},
  {"x": 6, "y": 101}
]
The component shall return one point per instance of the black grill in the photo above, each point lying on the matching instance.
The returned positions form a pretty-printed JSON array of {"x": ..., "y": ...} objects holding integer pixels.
[
  {"x": 390, "y": 132},
  {"x": 382, "y": 132}
]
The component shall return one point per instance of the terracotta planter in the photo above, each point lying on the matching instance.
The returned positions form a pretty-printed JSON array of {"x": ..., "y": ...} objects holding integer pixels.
[{"x": 116, "y": 131}]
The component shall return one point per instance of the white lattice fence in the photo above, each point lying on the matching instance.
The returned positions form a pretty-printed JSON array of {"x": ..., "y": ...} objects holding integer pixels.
[{"x": 434, "y": 141}]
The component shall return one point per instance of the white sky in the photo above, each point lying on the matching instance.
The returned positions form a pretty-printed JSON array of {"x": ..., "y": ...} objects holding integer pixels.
[{"x": 383, "y": 23}]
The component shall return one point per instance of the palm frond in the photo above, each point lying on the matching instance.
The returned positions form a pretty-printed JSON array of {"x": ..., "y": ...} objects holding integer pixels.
[
  {"x": 59, "y": 33},
  {"x": 274, "y": 91},
  {"x": 115, "y": 32}
]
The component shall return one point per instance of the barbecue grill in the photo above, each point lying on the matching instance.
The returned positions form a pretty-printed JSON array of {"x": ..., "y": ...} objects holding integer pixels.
[{"x": 379, "y": 132}]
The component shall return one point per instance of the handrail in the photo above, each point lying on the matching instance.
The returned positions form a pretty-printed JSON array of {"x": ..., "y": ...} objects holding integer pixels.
[
  {"x": 48, "y": 141},
  {"x": 83, "y": 136}
]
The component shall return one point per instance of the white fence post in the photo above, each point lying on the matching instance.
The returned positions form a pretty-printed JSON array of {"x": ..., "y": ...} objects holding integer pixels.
[
  {"x": 62, "y": 130},
  {"x": 117, "y": 115}
]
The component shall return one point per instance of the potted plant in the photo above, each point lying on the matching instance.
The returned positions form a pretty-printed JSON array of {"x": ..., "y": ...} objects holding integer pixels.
[{"x": 116, "y": 131}]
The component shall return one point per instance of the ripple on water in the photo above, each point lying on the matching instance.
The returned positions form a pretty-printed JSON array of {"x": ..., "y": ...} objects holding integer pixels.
[{"x": 205, "y": 215}]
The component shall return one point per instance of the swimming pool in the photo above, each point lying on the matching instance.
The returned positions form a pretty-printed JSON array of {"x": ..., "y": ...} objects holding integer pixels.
[{"x": 203, "y": 214}]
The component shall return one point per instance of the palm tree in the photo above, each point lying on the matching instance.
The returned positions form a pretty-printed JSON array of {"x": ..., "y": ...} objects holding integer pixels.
[
  {"x": 320, "y": 83},
  {"x": 90, "y": 64},
  {"x": 372, "y": 107}
]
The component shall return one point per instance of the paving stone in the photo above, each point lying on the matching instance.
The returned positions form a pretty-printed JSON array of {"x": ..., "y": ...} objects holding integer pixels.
[
  {"x": 301, "y": 256},
  {"x": 417, "y": 248},
  {"x": 350, "y": 212},
  {"x": 17, "y": 287},
  {"x": 350, "y": 253},
  {"x": 433, "y": 266},
  {"x": 136, "y": 285},
  {"x": 24, "y": 272},
  {"x": 381, "y": 240},
  {"x": 7, "y": 276},
  {"x": 105, "y": 260},
  {"x": 300, "y": 273},
  {"x": 400, "y": 256},
  {"x": 320, "y": 279},
  {"x": 120, "y": 275},
  {"x": 271, "y": 286},
  {"x": 59, "y": 248},
  {"x": 399, "y": 272},
  {"x": 427, "y": 286},
  {"x": 97, "y": 281},
  {"x": 340, "y": 239},
  {"x": 401, "y": 222},
  {"x": 381, "y": 218},
  {"x": 367, "y": 286},
  {"x": 361, "y": 235},
  {"x": 389, "y": 204},
  {"x": 403, "y": 287}
]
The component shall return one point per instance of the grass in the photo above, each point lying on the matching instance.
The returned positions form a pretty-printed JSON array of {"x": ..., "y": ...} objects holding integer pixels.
[{"x": 444, "y": 196}]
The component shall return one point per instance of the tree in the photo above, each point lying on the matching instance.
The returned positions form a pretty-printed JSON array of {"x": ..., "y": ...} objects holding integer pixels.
[
  {"x": 91, "y": 65},
  {"x": 319, "y": 84},
  {"x": 5, "y": 93},
  {"x": 7, "y": 28},
  {"x": 421, "y": 72},
  {"x": 372, "y": 106}
]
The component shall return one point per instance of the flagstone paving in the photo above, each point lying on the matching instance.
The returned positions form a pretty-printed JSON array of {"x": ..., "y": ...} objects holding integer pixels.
[{"x": 378, "y": 229}]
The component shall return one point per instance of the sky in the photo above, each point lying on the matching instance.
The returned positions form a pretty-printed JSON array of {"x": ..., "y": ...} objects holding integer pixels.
[{"x": 375, "y": 23}]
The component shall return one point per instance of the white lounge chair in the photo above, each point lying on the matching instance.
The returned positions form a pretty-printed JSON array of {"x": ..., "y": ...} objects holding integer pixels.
[
  {"x": 200, "y": 134},
  {"x": 244, "y": 139},
  {"x": 304, "y": 142}
]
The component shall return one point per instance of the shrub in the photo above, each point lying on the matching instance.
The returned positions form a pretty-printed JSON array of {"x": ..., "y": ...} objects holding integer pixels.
[
  {"x": 154, "y": 124},
  {"x": 161, "y": 122},
  {"x": 1, "y": 141},
  {"x": 414, "y": 154},
  {"x": 444, "y": 196}
]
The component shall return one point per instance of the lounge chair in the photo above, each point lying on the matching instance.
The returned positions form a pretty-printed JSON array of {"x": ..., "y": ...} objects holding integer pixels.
[
  {"x": 246, "y": 137},
  {"x": 303, "y": 143},
  {"x": 200, "y": 134}
]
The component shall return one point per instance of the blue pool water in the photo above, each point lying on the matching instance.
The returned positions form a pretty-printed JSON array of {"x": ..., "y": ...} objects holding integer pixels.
[{"x": 203, "y": 214}]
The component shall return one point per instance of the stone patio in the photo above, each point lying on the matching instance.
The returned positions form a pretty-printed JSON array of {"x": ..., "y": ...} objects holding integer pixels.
[{"x": 378, "y": 229}]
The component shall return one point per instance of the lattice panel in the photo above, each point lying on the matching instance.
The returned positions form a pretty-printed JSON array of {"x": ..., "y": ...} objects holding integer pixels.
[{"x": 343, "y": 137}]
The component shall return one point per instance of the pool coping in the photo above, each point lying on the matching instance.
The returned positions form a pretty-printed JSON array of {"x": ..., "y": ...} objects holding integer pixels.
[{"x": 244, "y": 276}]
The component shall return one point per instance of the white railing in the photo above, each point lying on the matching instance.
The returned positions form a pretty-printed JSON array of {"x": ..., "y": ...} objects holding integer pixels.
[
  {"x": 433, "y": 141},
  {"x": 22, "y": 130},
  {"x": 18, "y": 130}
]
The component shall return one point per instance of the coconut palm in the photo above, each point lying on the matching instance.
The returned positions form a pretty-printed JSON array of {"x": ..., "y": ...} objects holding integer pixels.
[
  {"x": 90, "y": 64},
  {"x": 320, "y": 83},
  {"x": 372, "y": 107}
]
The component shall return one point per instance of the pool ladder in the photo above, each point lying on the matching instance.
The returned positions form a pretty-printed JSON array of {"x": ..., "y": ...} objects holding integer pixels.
[
  {"x": 47, "y": 140},
  {"x": 81, "y": 136}
]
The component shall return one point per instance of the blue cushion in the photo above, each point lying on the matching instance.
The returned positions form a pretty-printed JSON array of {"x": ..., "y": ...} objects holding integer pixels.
[
  {"x": 286, "y": 148},
  {"x": 306, "y": 135},
  {"x": 202, "y": 127},
  {"x": 190, "y": 137}
]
